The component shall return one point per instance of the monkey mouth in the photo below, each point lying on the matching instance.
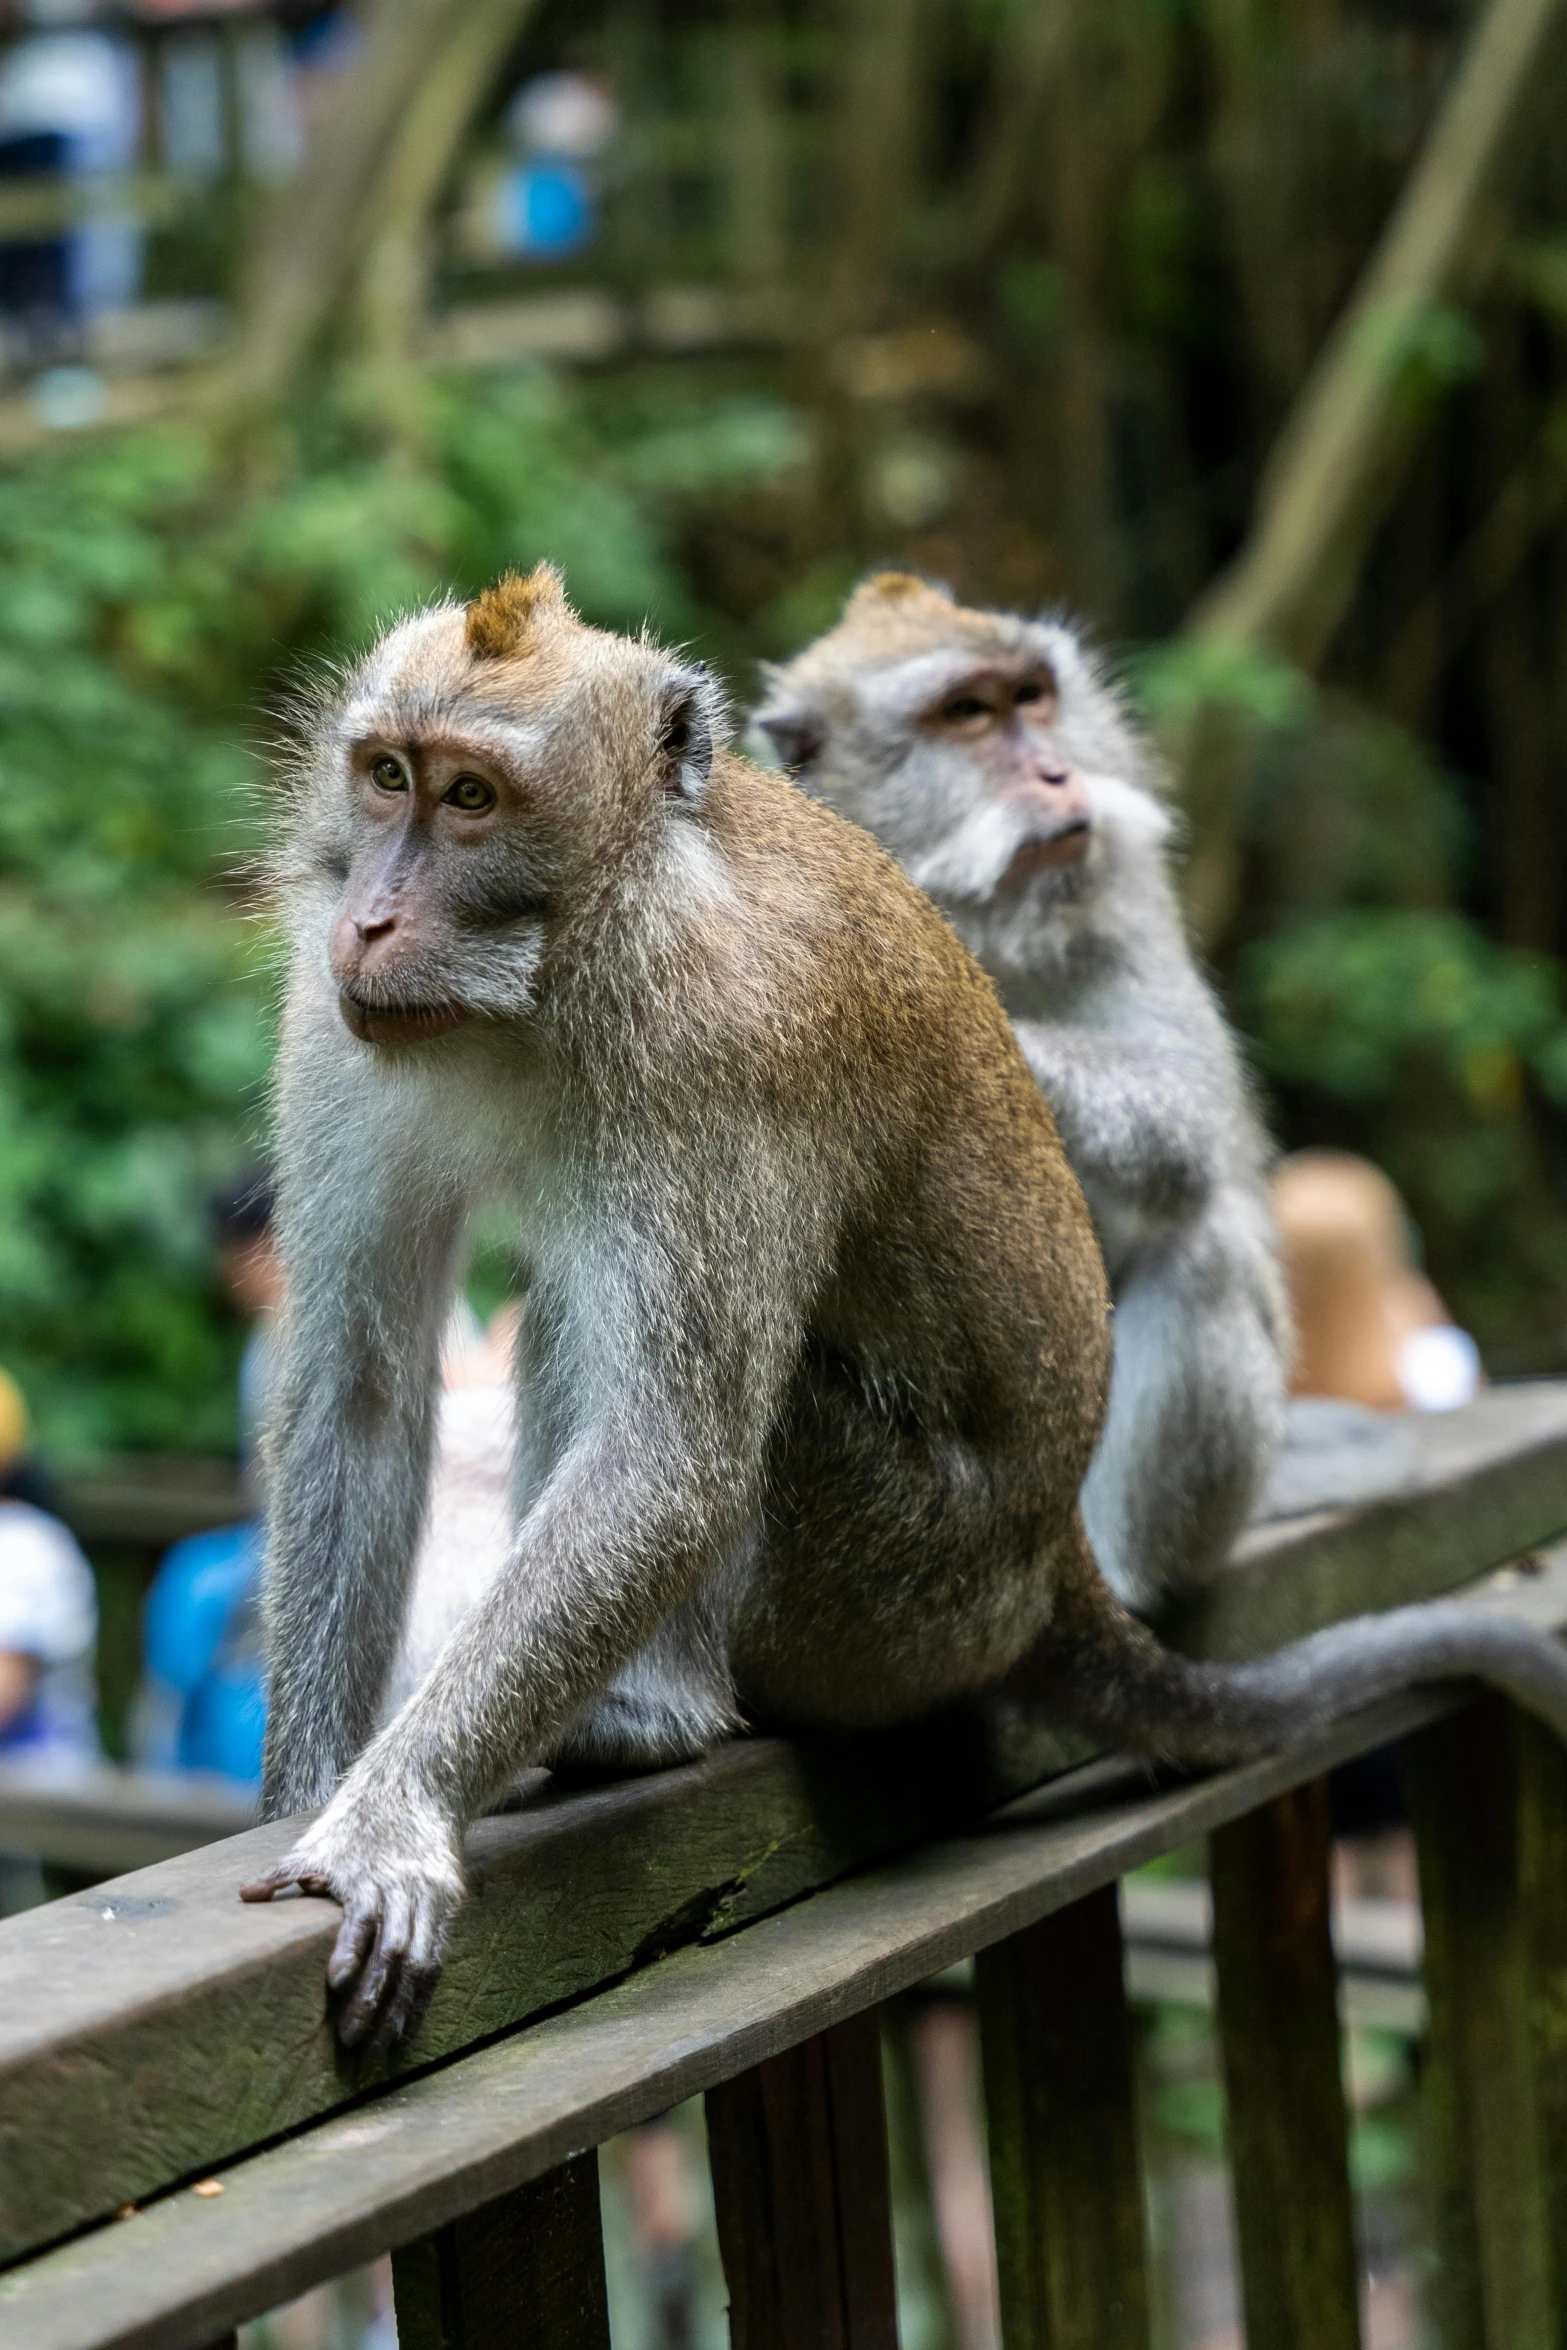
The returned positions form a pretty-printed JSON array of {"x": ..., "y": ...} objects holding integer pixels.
[
  {"x": 1069, "y": 846},
  {"x": 397, "y": 1023}
]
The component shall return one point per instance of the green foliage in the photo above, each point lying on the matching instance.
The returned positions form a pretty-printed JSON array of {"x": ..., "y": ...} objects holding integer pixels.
[
  {"x": 1349, "y": 1003},
  {"x": 152, "y": 604},
  {"x": 1190, "y": 676},
  {"x": 1424, "y": 1041}
]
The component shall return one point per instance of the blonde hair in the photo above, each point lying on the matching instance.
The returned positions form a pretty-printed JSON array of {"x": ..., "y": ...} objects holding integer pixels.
[{"x": 15, "y": 1428}]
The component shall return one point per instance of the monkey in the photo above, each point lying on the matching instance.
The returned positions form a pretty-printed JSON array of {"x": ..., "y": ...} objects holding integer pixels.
[
  {"x": 816, "y": 1344},
  {"x": 991, "y": 756}
]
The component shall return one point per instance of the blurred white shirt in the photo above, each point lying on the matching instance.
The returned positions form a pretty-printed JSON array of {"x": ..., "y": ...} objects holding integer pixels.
[{"x": 49, "y": 1612}]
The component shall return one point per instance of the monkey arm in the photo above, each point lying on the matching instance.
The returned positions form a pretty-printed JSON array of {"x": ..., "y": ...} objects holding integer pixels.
[
  {"x": 1136, "y": 1118},
  {"x": 369, "y": 1255},
  {"x": 650, "y": 1484},
  {"x": 621, "y": 1533}
]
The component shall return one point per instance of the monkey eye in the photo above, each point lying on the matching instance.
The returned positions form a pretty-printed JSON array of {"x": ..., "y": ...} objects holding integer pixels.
[
  {"x": 1029, "y": 691},
  {"x": 963, "y": 707},
  {"x": 470, "y": 793},
  {"x": 388, "y": 774}
]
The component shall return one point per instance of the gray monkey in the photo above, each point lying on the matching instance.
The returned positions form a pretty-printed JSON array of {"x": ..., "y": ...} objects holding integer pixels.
[{"x": 990, "y": 755}]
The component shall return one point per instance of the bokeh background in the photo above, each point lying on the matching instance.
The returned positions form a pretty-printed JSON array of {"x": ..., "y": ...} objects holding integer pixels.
[
  {"x": 1235, "y": 328},
  {"x": 717, "y": 305}
]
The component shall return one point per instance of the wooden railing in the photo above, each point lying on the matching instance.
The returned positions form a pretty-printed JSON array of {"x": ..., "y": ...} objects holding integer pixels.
[{"x": 182, "y": 2144}]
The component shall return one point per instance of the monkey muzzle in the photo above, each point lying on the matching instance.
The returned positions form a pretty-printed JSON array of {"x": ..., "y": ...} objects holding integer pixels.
[
  {"x": 1047, "y": 854},
  {"x": 397, "y": 1023}
]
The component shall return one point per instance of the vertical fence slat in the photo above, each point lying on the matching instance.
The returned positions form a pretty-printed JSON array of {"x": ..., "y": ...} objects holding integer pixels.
[
  {"x": 798, "y": 2148},
  {"x": 1485, "y": 2148},
  {"x": 1279, "y": 2037},
  {"x": 525, "y": 2272},
  {"x": 1060, "y": 2102},
  {"x": 1542, "y": 1767}
]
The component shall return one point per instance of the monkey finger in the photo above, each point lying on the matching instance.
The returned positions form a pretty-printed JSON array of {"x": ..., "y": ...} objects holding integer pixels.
[
  {"x": 280, "y": 1877},
  {"x": 379, "y": 1975},
  {"x": 350, "y": 1950},
  {"x": 404, "y": 2011}
]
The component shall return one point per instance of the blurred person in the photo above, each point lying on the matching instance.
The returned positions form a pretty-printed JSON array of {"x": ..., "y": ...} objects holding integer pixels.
[
  {"x": 662, "y": 2198},
  {"x": 252, "y": 1274},
  {"x": 1369, "y": 1327},
  {"x": 944, "y": 2047},
  {"x": 48, "y": 1632},
  {"x": 48, "y": 1613},
  {"x": 1372, "y": 1337},
  {"x": 544, "y": 207},
  {"x": 70, "y": 109},
  {"x": 202, "y": 1703}
]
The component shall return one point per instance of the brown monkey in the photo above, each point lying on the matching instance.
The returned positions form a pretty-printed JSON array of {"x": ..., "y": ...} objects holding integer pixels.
[{"x": 816, "y": 1342}]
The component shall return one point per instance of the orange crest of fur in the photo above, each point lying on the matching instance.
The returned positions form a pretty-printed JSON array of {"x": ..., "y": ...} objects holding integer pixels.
[{"x": 501, "y": 621}]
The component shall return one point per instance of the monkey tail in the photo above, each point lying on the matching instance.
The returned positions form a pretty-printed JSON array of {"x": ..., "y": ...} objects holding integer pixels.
[{"x": 1103, "y": 1671}]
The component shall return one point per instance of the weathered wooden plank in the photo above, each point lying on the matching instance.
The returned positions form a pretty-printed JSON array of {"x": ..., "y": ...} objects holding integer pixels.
[
  {"x": 524, "y": 2272},
  {"x": 798, "y": 2149},
  {"x": 1491, "y": 1484},
  {"x": 96, "y": 1817},
  {"x": 142, "y": 2026},
  {"x": 1060, "y": 2101},
  {"x": 430, "y": 2148},
  {"x": 1484, "y": 2141},
  {"x": 1279, "y": 2037}
]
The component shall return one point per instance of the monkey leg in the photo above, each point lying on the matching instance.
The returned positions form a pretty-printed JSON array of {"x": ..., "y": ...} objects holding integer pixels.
[
  {"x": 673, "y": 1701},
  {"x": 1196, "y": 1412}
]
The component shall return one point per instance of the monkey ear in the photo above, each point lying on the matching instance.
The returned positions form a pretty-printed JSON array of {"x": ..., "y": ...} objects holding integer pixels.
[
  {"x": 690, "y": 713},
  {"x": 798, "y": 736}
]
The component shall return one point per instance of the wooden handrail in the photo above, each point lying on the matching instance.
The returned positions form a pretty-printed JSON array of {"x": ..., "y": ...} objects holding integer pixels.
[
  {"x": 156, "y": 2030},
  {"x": 180, "y": 2271}
]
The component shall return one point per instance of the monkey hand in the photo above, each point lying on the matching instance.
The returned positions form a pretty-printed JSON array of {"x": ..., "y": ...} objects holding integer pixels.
[{"x": 394, "y": 1864}]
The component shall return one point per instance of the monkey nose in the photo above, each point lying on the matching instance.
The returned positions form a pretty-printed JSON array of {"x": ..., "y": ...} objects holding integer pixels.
[{"x": 373, "y": 926}]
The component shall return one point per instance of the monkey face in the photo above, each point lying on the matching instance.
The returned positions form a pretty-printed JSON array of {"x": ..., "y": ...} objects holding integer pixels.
[
  {"x": 441, "y": 854},
  {"x": 1001, "y": 718},
  {"x": 486, "y": 782}
]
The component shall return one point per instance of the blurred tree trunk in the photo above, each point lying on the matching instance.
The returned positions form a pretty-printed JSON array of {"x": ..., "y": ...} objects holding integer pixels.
[
  {"x": 394, "y": 280},
  {"x": 374, "y": 162},
  {"x": 1077, "y": 90},
  {"x": 1340, "y": 458},
  {"x": 874, "y": 132}
]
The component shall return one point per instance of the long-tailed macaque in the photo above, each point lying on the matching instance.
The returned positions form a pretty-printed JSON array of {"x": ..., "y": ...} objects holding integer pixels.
[
  {"x": 817, "y": 1339},
  {"x": 988, "y": 753}
]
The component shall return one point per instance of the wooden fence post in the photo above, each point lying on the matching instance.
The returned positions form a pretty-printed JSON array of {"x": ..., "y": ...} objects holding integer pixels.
[
  {"x": 1485, "y": 2147},
  {"x": 1288, "y": 2128},
  {"x": 1060, "y": 2101},
  {"x": 1542, "y": 1768},
  {"x": 798, "y": 2150},
  {"x": 525, "y": 2272}
]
